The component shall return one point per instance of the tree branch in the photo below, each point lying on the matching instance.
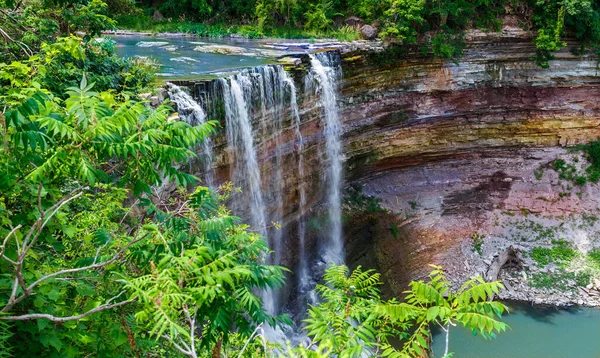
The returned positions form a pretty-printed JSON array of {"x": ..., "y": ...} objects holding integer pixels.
[
  {"x": 177, "y": 346},
  {"x": 23, "y": 46},
  {"x": 4, "y": 245},
  {"x": 104, "y": 307},
  {"x": 85, "y": 268}
]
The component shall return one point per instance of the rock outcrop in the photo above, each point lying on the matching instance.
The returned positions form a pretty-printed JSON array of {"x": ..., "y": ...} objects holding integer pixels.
[{"x": 447, "y": 146}]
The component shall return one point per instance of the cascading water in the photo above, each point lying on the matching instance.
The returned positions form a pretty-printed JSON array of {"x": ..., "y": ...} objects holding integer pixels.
[
  {"x": 258, "y": 91},
  {"x": 303, "y": 273},
  {"x": 236, "y": 90},
  {"x": 192, "y": 113},
  {"x": 325, "y": 69},
  {"x": 258, "y": 106}
]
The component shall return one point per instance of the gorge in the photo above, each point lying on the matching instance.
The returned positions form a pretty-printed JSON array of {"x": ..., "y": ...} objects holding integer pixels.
[
  {"x": 447, "y": 163},
  {"x": 299, "y": 178}
]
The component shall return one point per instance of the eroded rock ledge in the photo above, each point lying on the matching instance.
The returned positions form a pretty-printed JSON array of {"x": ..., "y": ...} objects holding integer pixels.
[
  {"x": 457, "y": 148},
  {"x": 451, "y": 149}
]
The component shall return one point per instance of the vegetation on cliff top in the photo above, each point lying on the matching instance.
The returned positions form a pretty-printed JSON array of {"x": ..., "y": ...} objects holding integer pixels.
[{"x": 437, "y": 25}]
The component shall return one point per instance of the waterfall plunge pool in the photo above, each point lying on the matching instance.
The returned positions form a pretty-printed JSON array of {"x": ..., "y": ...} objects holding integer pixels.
[{"x": 535, "y": 332}]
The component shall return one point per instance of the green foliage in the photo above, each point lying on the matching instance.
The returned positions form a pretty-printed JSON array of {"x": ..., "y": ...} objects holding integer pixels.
[
  {"x": 345, "y": 321},
  {"x": 560, "y": 252},
  {"x": 594, "y": 256},
  {"x": 352, "y": 320},
  {"x": 592, "y": 153},
  {"x": 97, "y": 61},
  {"x": 401, "y": 16},
  {"x": 62, "y": 64},
  {"x": 355, "y": 201},
  {"x": 91, "y": 17},
  {"x": 559, "y": 280},
  {"x": 75, "y": 141},
  {"x": 318, "y": 16},
  {"x": 31, "y": 23},
  {"x": 202, "y": 287},
  {"x": 572, "y": 172},
  {"x": 477, "y": 242},
  {"x": 5, "y": 335},
  {"x": 65, "y": 233}
]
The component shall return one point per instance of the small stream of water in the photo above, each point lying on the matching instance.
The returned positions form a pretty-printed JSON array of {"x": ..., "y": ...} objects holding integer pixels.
[{"x": 324, "y": 65}]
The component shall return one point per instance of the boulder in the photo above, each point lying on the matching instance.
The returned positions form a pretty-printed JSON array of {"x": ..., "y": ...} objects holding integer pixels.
[
  {"x": 596, "y": 284},
  {"x": 158, "y": 16},
  {"x": 162, "y": 94},
  {"x": 354, "y": 21},
  {"x": 368, "y": 32}
]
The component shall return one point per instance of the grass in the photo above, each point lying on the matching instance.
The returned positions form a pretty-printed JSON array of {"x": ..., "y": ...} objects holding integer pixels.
[
  {"x": 594, "y": 256},
  {"x": 145, "y": 23}
]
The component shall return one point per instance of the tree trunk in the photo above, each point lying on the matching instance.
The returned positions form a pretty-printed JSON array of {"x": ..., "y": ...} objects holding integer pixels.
[
  {"x": 447, "y": 339},
  {"x": 510, "y": 255},
  {"x": 216, "y": 353}
]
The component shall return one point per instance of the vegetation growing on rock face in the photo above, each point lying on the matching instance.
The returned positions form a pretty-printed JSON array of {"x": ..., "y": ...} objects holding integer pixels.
[{"x": 560, "y": 252}]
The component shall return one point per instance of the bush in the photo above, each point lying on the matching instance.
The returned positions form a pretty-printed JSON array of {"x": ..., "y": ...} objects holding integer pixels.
[
  {"x": 356, "y": 201},
  {"x": 97, "y": 60}
]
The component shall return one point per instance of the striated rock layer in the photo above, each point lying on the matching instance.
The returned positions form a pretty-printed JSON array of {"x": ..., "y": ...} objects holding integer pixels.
[{"x": 447, "y": 146}]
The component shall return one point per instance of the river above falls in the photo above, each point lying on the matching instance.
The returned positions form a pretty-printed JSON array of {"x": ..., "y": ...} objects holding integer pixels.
[
  {"x": 188, "y": 58},
  {"x": 535, "y": 332}
]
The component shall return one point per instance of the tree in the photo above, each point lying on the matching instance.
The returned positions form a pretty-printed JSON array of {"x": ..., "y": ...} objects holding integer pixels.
[
  {"x": 66, "y": 235},
  {"x": 203, "y": 286},
  {"x": 352, "y": 320},
  {"x": 434, "y": 302}
]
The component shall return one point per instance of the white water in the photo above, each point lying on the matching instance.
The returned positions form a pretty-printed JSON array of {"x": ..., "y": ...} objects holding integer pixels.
[
  {"x": 259, "y": 91},
  {"x": 325, "y": 71},
  {"x": 303, "y": 273},
  {"x": 241, "y": 141},
  {"x": 258, "y": 103},
  {"x": 192, "y": 113}
]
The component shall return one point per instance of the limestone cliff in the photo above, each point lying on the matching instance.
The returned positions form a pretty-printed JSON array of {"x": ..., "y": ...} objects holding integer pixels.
[{"x": 449, "y": 147}]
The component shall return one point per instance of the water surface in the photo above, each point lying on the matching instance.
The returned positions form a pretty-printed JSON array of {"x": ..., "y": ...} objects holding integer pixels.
[
  {"x": 178, "y": 59},
  {"x": 535, "y": 332}
]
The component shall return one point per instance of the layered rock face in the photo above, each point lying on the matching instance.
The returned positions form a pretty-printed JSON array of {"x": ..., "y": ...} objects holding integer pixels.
[
  {"x": 447, "y": 146},
  {"x": 460, "y": 149}
]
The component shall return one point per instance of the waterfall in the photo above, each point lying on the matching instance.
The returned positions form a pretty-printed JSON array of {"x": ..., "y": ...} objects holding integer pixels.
[
  {"x": 239, "y": 133},
  {"x": 303, "y": 273},
  {"x": 192, "y": 113},
  {"x": 325, "y": 69},
  {"x": 259, "y": 106},
  {"x": 258, "y": 92}
]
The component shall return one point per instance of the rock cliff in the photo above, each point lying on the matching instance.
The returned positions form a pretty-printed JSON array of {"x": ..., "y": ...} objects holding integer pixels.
[{"x": 450, "y": 148}]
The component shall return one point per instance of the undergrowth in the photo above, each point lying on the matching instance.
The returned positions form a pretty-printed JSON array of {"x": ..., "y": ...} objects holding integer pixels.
[
  {"x": 561, "y": 252},
  {"x": 140, "y": 22}
]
